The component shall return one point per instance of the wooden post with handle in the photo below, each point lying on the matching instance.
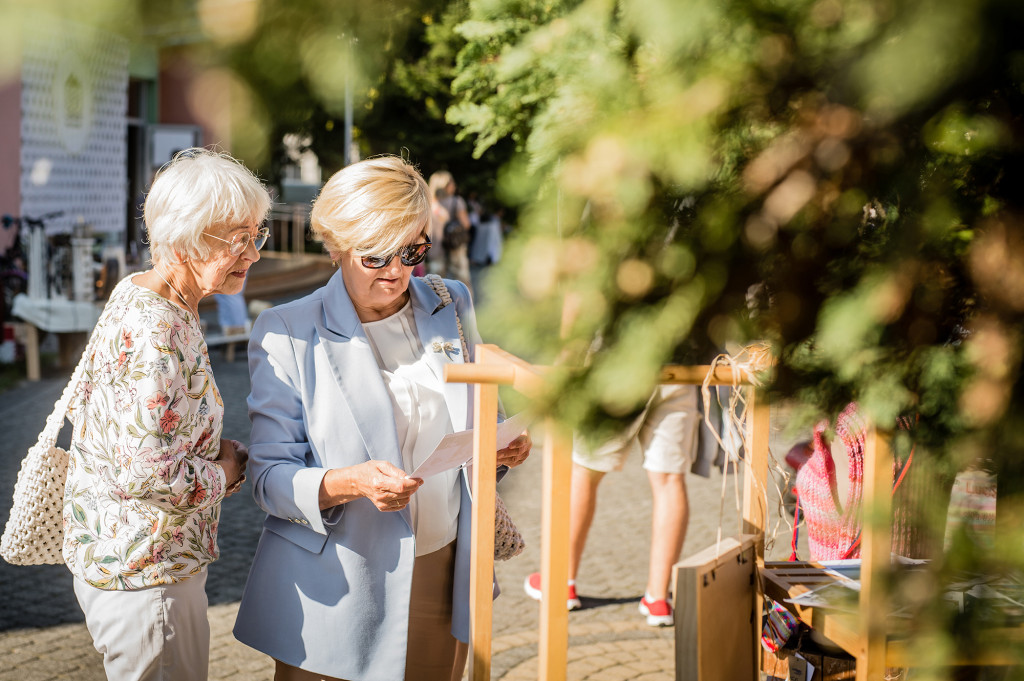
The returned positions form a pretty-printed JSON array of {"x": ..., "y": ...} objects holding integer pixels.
[
  {"x": 481, "y": 573},
  {"x": 493, "y": 367},
  {"x": 554, "y": 616},
  {"x": 876, "y": 555}
]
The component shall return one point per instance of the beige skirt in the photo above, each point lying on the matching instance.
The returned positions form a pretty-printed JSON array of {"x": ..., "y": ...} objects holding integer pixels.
[{"x": 432, "y": 653}]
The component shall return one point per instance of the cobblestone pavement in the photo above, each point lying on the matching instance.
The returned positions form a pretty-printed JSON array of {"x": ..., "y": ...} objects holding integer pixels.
[{"x": 43, "y": 637}]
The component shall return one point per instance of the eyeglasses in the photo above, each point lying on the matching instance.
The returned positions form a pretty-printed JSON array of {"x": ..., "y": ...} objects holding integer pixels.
[
  {"x": 240, "y": 241},
  {"x": 410, "y": 255}
]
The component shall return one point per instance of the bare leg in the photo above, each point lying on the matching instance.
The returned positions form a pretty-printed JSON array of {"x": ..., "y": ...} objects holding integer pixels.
[
  {"x": 670, "y": 514},
  {"x": 582, "y": 504}
]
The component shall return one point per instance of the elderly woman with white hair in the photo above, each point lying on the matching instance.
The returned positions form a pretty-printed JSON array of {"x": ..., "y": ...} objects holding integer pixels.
[
  {"x": 148, "y": 468},
  {"x": 362, "y": 571}
]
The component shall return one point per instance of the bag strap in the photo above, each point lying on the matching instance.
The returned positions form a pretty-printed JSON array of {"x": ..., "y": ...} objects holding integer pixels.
[
  {"x": 441, "y": 289},
  {"x": 55, "y": 420}
]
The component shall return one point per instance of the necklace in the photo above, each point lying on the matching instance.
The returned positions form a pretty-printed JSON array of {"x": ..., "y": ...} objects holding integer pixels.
[{"x": 180, "y": 297}]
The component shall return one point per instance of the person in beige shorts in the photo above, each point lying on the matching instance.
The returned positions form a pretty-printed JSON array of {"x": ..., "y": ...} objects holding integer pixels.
[{"x": 666, "y": 433}]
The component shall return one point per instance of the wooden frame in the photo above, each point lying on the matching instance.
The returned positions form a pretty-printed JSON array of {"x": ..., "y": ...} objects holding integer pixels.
[
  {"x": 863, "y": 634},
  {"x": 868, "y": 644},
  {"x": 494, "y": 367}
]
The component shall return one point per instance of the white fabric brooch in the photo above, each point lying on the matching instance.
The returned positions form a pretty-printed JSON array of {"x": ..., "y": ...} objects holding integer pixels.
[{"x": 447, "y": 348}]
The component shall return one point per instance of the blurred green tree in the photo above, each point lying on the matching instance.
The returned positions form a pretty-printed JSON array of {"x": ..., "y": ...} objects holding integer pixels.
[
  {"x": 397, "y": 59},
  {"x": 838, "y": 178}
]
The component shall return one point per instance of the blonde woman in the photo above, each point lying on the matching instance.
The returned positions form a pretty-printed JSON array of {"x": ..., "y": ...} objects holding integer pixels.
[
  {"x": 362, "y": 572},
  {"x": 449, "y": 206},
  {"x": 148, "y": 467},
  {"x": 438, "y": 219}
]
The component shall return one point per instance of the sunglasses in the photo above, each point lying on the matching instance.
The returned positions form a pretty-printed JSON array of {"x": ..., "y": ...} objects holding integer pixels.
[
  {"x": 239, "y": 242},
  {"x": 410, "y": 255}
]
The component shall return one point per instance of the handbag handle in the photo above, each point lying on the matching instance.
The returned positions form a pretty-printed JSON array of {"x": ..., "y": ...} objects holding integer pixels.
[
  {"x": 508, "y": 542},
  {"x": 55, "y": 420}
]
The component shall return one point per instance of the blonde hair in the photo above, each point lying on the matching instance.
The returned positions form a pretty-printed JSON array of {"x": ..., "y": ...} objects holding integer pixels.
[
  {"x": 197, "y": 190},
  {"x": 371, "y": 207},
  {"x": 439, "y": 182}
]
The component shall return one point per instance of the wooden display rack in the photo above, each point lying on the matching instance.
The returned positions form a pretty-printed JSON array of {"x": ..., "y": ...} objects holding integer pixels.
[
  {"x": 862, "y": 635},
  {"x": 867, "y": 634},
  {"x": 493, "y": 367},
  {"x": 725, "y": 584}
]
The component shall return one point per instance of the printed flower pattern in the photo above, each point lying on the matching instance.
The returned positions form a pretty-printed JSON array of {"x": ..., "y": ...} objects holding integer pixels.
[{"x": 142, "y": 500}]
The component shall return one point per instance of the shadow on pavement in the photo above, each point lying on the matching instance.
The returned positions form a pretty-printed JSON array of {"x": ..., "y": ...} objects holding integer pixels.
[{"x": 588, "y": 602}]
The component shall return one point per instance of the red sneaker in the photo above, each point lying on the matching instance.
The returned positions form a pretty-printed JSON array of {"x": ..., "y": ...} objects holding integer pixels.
[
  {"x": 659, "y": 613},
  {"x": 532, "y": 588}
]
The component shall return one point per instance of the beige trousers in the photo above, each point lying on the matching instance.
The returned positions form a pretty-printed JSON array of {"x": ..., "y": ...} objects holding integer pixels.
[{"x": 155, "y": 634}]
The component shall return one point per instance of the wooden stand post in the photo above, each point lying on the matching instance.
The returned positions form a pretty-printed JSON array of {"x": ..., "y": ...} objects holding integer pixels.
[
  {"x": 481, "y": 572},
  {"x": 876, "y": 556},
  {"x": 32, "y": 368},
  {"x": 494, "y": 367},
  {"x": 755, "y": 492},
  {"x": 554, "y": 617}
]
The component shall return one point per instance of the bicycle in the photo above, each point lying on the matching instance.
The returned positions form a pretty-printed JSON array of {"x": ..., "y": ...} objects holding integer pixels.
[{"x": 14, "y": 260}]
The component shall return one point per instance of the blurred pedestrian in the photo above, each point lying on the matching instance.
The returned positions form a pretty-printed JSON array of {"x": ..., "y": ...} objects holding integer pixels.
[
  {"x": 455, "y": 241},
  {"x": 485, "y": 250},
  {"x": 486, "y": 247},
  {"x": 232, "y": 318},
  {"x": 232, "y": 314},
  {"x": 666, "y": 432},
  {"x": 439, "y": 216}
]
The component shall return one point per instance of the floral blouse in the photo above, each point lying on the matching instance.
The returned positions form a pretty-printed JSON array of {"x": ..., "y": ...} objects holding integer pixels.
[{"x": 142, "y": 499}]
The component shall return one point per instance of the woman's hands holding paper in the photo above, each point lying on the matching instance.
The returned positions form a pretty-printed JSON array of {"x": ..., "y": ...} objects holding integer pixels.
[{"x": 516, "y": 451}]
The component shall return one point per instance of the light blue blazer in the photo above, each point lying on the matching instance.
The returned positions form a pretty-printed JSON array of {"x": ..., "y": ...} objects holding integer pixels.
[{"x": 329, "y": 591}]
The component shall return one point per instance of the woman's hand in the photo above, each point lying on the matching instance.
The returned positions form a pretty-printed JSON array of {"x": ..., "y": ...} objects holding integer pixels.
[
  {"x": 387, "y": 486},
  {"x": 233, "y": 458},
  {"x": 516, "y": 452}
]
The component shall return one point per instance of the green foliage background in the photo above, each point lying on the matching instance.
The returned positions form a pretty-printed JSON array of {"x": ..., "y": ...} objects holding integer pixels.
[{"x": 841, "y": 179}]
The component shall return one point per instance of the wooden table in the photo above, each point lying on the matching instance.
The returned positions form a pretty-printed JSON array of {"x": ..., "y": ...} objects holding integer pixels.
[
  {"x": 72, "y": 320},
  {"x": 784, "y": 580}
]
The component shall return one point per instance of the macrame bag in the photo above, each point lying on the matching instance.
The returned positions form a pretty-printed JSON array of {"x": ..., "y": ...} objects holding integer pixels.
[
  {"x": 34, "y": 532},
  {"x": 508, "y": 541}
]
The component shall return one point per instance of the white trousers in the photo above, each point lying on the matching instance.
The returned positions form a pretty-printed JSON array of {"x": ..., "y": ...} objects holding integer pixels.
[{"x": 157, "y": 634}]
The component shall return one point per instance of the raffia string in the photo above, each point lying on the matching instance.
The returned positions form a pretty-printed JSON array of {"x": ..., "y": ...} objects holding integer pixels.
[{"x": 747, "y": 366}]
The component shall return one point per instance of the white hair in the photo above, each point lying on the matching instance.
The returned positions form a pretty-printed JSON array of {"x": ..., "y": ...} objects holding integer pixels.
[{"x": 198, "y": 190}]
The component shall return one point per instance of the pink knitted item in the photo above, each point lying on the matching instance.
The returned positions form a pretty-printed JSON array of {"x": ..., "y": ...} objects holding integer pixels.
[{"x": 833, "y": 525}]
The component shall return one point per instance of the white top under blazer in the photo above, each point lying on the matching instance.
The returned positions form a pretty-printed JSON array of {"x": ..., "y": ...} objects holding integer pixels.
[{"x": 421, "y": 420}]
